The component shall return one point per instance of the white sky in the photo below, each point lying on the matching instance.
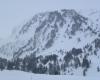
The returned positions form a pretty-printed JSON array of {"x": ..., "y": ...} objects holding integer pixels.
[{"x": 14, "y": 12}]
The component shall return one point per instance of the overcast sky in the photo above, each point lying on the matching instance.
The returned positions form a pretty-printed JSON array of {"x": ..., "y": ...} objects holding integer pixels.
[{"x": 15, "y": 12}]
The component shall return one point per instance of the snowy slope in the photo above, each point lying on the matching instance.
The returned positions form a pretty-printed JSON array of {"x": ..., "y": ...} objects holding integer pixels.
[{"x": 18, "y": 75}]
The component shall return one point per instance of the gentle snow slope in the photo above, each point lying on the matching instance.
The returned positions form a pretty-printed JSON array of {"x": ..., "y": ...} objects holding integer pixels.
[{"x": 18, "y": 75}]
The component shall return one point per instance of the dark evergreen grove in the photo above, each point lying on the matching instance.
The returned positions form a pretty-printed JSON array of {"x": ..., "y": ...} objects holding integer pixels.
[{"x": 49, "y": 64}]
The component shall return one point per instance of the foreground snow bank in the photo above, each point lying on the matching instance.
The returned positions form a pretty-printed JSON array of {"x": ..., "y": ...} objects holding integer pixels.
[{"x": 19, "y": 75}]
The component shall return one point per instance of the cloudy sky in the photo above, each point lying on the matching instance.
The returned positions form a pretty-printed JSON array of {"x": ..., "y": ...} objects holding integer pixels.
[{"x": 15, "y": 12}]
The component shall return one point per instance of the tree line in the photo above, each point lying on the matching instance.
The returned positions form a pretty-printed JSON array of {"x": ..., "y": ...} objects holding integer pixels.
[{"x": 49, "y": 64}]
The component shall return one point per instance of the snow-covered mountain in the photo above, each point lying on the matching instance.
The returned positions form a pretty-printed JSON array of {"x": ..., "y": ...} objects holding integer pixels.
[
  {"x": 74, "y": 37},
  {"x": 53, "y": 26}
]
